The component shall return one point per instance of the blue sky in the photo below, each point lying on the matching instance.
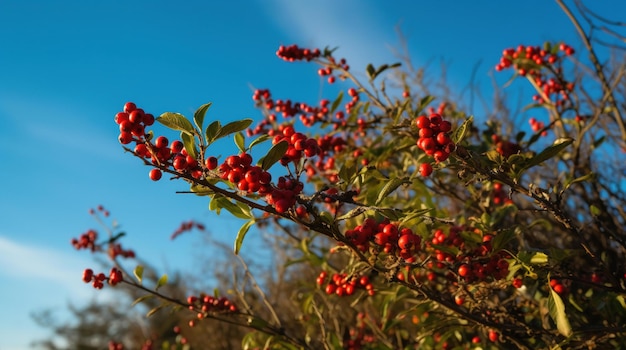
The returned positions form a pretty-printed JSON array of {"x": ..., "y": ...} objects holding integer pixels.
[{"x": 67, "y": 67}]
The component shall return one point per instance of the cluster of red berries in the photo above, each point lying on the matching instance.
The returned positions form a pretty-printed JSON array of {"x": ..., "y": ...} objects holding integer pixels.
[
  {"x": 293, "y": 53},
  {"x": 504, "y": 147},
  {"x": 529, "y": 60},
  {"x": 132, "y": 122},
  {"x": 499, "y": 195},
  {"x": 476, "y": 262},
  {"x": 308, "y": 114},
  {"x": 86, "y": 240},
  {"x": 352, "y": 92},
  {"x": 253, "y": 179},
  {"x": 299, "y": 144},
  {"x": 558, "y": 287},
  {"x": 209, "y": 304},
  {"x": 147, "y": 345},
  {"x": 101, "y": 209},
  {"x": 238, "y": 170},
  {"x": 343, "y": 285},
  {"x": 386, "y": 235},
  {"x": 187, "y": 226},
  {"x": 359, "y": 336},
  {"x": 536, "y": 126},
  {"x": 331, "y": 66},
  {"x": 285, "y": 194},
  {"x": 526, "y": 58},
  {"x": 113, "y": 345},
  {"x": 434, "y": 139},
  {"x": 115, "y": 277},
  {"x": 115, "y": 250}
]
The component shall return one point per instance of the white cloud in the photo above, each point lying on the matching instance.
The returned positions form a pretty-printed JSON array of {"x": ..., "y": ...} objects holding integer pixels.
[
  {"x": 353, "y": 26},
  {"x": 23, "y": 262},
  {"x": 54, "y": 123}
]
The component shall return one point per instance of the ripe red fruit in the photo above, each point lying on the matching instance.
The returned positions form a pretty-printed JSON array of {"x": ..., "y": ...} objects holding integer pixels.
[
  {"x": 211, "y": 163},
  {"x": 426, "y": 169},
  {"x": 282, "y": 205},
  {"x": 125, "y": 138},
  {"x": 155, "y": 174},
  {"x": 129, "y": 107},
  {"x": 493, "y": 336},
  {"x": 161, "y": 142},
  {"x": 459, "y": 300},
  {"x": 464, "y": 270},
  {"x": 422, "y": 122}
]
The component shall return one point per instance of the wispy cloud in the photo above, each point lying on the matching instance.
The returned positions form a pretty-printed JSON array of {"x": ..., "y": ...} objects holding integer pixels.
[
  {"x": 54, "y": 123},
  {"x": 28, "y": 262},
  {"x": 353, "y": 26}
]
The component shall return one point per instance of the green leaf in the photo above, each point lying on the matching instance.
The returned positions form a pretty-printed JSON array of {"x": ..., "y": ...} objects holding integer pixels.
[
  {"x": 371, "y": 71},
  {"x": 201, "y": 190},
  {"x": 176, "y": 121},
  {"x": 502, "y": 238},
  {"x": 233, "y": 127},
  {"x": 336, "y": 102},
  {"x": 161, "y": 282},
  {"x": 557, "y": 313},
  {"x": 259, "y": 140},
  {"x": 459, "y": 133},
  {"x": 240, "y": 210},
  {"x": 240, "y": 141},
  {"x": 241, "y": 234},
  {"x": 142, "y": 299},
  {"x": 198, "y": 116},
  {"x": 549, "y": 152},
  {"x": 539, "y": 258},
  {"x": 389, "y": 187},
  {"x": 425, "y": 101},
  {"x": 595, "y": 211},
  {"x": 212, "y": 131},
  {"x": 188, "y": 142},
  {"x": 154, "y": 310},
  {"x": 274, "y": 154},
  {"x": 138, "y": 272},
  {"x": 579, "y": 179}
]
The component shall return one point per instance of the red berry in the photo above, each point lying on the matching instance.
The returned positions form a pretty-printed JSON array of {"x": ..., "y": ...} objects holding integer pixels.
[
  {"x": 155, "y": 174},
  {"x": 422, "y": 122},
  {"x": 161, "y": 142},
  {"x": 464, "y": 270},
  {"x": 211, "y": 163},
  {"x": 129, "y": 107},
  {"x": 125, "y": 138},
  {"x": 426, "y": 169},
  {"x": 459, "y": 300},
  {"x": 493, "y": 336}
]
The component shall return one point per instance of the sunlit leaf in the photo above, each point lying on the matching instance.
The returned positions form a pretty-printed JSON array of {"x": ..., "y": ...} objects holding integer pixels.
[
  {"x": 549, "y": 152},
  {"x": 459, "y": 133},
  {"x": 240, "y": 141},
  {"x": 212, "y": 131},
  {"x": 557, "y": 313},
  {"x": 259, "y": 140},
  {"x": 233, "y": 127},
  {"x": 176, "y": 121},
  {"x": 188, "y": 142},
  {"x": 138, "y": 272},
  {"x": 142, "y": 299},
  {"x": 198, "y": 116},
  {"x": 241, "y": 234},
  {"x": 161, "y": 282},
  {"x": 274, "y": 154},
  {"x": 389, "y": 187}
]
